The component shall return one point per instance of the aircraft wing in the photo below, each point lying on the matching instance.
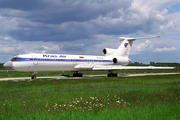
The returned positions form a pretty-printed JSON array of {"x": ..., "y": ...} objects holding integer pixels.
[
  {"x": 117, "y": 67},
  {"x": 86, "y": 66}
]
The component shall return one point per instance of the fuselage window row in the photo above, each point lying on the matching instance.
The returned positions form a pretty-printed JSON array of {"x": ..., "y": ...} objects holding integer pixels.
[{"x": 71, "y": 60}]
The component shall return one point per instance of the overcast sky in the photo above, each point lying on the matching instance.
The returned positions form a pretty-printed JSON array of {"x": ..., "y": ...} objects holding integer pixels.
[{"x": 88, "y": 26}]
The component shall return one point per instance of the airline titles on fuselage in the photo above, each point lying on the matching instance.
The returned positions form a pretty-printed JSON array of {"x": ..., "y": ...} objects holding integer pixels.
[
  {"x": 54, "y": 56},
  {"x": 99, "y": 57}
]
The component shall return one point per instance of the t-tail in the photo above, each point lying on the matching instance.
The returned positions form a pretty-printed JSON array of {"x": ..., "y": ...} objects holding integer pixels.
[{"x": 125, "y": 47}]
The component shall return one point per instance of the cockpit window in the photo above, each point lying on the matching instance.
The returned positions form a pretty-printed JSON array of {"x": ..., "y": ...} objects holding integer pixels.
[{"x": 16, "y": 59}]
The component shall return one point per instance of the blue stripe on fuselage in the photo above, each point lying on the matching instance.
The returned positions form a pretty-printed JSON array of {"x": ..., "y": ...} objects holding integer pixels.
[{"x": 63, "y": 60}]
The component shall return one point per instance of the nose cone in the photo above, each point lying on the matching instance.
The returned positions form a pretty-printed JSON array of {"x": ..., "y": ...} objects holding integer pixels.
[{"x": 8, "y": 65}]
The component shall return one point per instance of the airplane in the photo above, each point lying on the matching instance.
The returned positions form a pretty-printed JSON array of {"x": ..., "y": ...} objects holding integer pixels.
[{"x": 113, "y": 59}]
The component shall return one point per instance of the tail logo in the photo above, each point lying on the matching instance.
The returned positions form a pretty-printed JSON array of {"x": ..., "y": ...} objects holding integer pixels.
[{"x": 125, "y": 45}]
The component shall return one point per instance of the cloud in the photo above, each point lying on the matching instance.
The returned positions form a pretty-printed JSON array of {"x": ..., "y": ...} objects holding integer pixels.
[
  {"x": 7, "y": 44},
  {"x": 165, "y": 49},
  {"x": 85, "y": 26},
  {"x": 82, "y": 19},
  {"x": 145, "y": 46}
]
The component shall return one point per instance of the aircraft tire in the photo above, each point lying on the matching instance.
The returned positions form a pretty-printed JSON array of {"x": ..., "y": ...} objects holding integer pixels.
[
  {"x": 74, "y": 75},
  {"x": 33, "y": 77},
  {"x": 77, "y": 75},
  {"x": 80, "y": 74},
  {"x": 109, "y": 75},
  {"x": 112, "y": 74}
]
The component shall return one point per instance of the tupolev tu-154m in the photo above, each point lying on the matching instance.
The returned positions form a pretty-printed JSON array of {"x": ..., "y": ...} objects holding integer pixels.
[{"x": 113, "y": 59}]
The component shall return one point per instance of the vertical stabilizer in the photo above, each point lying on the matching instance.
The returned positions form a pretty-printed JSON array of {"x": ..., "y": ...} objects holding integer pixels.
[{"x": 125, "y": 47}]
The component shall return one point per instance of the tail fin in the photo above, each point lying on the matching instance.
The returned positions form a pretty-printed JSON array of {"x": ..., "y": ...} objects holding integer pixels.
[{"x": 125, "y": 47}]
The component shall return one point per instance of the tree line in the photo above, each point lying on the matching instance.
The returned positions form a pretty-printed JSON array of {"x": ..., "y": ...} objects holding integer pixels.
[{"x": 156, "y": 64}]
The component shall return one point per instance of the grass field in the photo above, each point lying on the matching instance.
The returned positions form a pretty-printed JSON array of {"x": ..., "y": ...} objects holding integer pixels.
[{"x": 131, "y": 98}]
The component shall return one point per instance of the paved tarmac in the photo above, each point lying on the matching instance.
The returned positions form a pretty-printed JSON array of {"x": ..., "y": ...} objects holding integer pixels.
[{"x": 84, "y": 76}]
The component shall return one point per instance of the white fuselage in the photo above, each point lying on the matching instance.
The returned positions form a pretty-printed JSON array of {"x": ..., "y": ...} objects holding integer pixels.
[{"x": 60, "y": 62}]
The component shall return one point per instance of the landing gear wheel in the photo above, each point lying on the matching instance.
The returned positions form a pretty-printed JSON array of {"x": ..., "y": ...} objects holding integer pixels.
[
  {"x": 76, "y": 74},
  {"x": 33, "y": 77},
  {"x": 110, "y": 74},
  {"x": 115, "y": 75}
]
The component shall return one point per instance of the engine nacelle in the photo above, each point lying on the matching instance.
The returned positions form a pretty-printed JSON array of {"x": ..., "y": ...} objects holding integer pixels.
[
  {"x": 109, "y": 51},
  {"x": 121, "y": 60}
]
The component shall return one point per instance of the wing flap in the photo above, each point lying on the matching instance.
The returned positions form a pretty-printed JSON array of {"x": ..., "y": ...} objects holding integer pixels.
[
  {"x": 86, "y": 66},
  {"x": 145, "y": 67},
  {"x": 116, "y": 67}
]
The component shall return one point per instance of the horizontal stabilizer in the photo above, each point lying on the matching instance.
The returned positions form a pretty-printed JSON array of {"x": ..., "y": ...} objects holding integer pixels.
[{"x": 132, "y": 39}]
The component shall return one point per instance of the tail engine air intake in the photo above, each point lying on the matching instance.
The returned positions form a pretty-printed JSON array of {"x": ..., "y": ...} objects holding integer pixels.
[
  {"x": 121, "y": 61},
  {"x": 109, "y": 51}
]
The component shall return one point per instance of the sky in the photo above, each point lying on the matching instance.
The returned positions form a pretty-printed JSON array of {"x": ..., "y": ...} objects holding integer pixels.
[{"x": 86, "y": 27}]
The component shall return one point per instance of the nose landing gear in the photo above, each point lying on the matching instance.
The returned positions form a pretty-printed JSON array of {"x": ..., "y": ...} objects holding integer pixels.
[{"x": 33, "y": 76}]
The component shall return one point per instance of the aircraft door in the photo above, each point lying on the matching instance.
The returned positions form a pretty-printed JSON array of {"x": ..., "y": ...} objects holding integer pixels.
[
  {"x": 35, "y": 60},
  {"x": 73, "y": 60},
  {"x": 92, "y": 61}
]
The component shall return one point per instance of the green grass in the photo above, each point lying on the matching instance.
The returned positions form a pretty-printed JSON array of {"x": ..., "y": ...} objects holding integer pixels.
[{"x": 132, "y": 98}]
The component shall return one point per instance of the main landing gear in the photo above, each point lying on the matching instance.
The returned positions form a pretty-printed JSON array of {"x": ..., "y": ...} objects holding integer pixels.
[
  {"x": 111, "y": 74},
  {"x": 76, "y": 74}
]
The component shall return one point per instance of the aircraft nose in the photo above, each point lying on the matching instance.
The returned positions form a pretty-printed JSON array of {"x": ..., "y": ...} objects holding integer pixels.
[{"x": 8, "y": 65}]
